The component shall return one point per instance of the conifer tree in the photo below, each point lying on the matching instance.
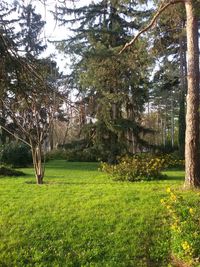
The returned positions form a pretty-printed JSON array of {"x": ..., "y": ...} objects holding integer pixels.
[
  {"x": 31, "y": 25},
  {"x": 113, "y": 83}
]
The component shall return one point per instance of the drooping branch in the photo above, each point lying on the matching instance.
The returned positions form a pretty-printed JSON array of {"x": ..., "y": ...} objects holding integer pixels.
[{"x": 152, "y": 22}]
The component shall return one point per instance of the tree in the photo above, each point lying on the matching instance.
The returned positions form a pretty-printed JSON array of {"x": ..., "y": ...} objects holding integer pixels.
[
  {"x": 29, "y": 97},
  {"x": 192, "y": 172},
  {"x": 192, "y": 176},
  {"x": 6, "y": 35},
  {"x": 183, "y": 87},
  {"x": 31, "y": 25},
  {"x": 31, "y": 111},
  {"x": 110, "y": 84},
  {"x": 164, "y": 98}
]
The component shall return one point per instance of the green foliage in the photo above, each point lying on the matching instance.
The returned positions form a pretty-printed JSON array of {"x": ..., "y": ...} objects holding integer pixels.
[
  {"x": 135, "y": 168},
  {"x": 87, "y": 155},
  {"x": 175, "y": 160},
  {"x": 55, "y": 154},
  {"x": 184, "y": 226},
  {"x": 81, "y": 150},
  {"x": 113, "y": 87},
  {"x": 16, "y": 154},
  {"x": 77, "y": 154},
  {"x": 140, "y": 167},
  {"x": 5, "y": 171},
  {"x": 30, "y": 30}
]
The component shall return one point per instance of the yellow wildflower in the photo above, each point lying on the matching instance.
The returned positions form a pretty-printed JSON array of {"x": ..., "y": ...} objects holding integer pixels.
[
  {"x": 173, "y": 197},
  {"x": 185, "y": 246},
  {"x": 168, "y": 190},
  {"x": 191, "y": 211}
]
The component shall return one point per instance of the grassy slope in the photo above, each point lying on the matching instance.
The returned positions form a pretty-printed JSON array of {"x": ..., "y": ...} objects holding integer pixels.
[{"x": 81, "y": 218}]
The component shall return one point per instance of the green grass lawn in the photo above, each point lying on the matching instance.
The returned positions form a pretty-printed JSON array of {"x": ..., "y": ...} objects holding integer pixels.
[{"x": 80, "y": 217}]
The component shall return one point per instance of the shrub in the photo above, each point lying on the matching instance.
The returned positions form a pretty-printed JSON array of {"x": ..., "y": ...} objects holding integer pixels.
[
  {"x": 184, "y": 226},
  {"x": 4, "y": 171},
  {"x": 87, "y": 155},
  {"x": 16, "y": 154},
  {"x": 74, "y": 155},
  {"x": 135, "y": 168},
  {"x": 55, "y": 154},
  {"x": 84, "y": 150},
  {"x": 140, "y": 167},
  {"x": 172, "y": 160}
]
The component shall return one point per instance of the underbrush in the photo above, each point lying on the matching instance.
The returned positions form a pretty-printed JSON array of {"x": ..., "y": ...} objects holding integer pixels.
[
  {"x": 73, "y": 155},
  {"x": 15, "y": 154},
  {"x": 141, "y": 167}
]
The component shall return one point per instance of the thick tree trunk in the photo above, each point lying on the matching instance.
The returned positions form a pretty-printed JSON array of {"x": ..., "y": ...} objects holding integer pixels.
[
  {"x": 192, "y": 178},
  {"x": 37, "y": 163}
]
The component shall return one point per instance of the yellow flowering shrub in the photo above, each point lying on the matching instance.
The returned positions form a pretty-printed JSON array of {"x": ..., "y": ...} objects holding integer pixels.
[
  {"x": 139, "y": 167},
  {"x": 184, "y": 218},
  {"x": 136, "y": 168},
  {"x": 172, "y": 161}
]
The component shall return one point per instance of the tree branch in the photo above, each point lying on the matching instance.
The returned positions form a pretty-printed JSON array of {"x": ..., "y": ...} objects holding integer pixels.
[
  {"x": 155, "y": 17},
  {"x": 13, "y": 134}
]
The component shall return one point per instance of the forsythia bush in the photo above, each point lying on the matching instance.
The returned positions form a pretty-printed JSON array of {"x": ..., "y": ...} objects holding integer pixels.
[
  {"x": 140, "y": 167},
  {"x": 171, "y": 161},
  {"x": 185, "y": 228}
]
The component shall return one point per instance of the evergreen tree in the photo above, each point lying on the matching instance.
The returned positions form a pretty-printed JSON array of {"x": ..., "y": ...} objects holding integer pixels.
[
  {"x": 116, "y": 85},
  {"x": 31, "y": 25},
  {"x": 7, "y": 41}
]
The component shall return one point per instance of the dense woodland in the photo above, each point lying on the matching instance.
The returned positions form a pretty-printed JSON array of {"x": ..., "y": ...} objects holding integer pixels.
[{"x": 111, "y": 102}]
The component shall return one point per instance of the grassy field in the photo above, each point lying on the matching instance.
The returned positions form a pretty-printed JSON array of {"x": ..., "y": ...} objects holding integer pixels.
[{"x": 80, "y": 217}]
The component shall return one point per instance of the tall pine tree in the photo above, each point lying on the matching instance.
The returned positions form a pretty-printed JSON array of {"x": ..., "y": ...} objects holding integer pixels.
[{"x": 116, "y": 85}]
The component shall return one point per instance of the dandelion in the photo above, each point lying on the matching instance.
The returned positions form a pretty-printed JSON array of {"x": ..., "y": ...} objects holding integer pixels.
[
  {"x": 191, "y": 211},
  {"x": 185, "y": 246},
  {"x": 173, "y": 197},
  {"x": 168, "y": 190}
]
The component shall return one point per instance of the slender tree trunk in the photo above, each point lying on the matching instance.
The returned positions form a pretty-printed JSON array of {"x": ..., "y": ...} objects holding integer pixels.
[
  {"x": 162, "y": 133},
  {"x": 183, "y": 86},
  {"x": 37, "y": 163},
  {"x": 172, "y": 122},
  {"x": 192, "y": 178},
  {"x": 51, "y": 137},
  {"x": 165, "y": 127}
]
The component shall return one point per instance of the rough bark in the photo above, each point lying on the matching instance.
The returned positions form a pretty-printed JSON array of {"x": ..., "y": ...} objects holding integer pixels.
[{"x": 192, "y": 178}]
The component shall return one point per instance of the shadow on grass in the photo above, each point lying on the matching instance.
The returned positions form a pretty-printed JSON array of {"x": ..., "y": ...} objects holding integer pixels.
[
  {"x": 174, "y": 174},
  {"x": 72, "y": 183}
]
